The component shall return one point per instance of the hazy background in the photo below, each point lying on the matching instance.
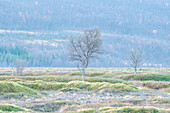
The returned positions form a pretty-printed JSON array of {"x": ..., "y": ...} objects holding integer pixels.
[{"x": 38, "y": 31}]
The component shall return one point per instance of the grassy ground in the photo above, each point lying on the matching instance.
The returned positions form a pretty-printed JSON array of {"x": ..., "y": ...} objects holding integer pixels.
[{"x": 104, "y": 90}]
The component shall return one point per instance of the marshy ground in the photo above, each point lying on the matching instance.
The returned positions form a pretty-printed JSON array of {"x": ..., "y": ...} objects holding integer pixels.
[{"x": 104, "y": 90}]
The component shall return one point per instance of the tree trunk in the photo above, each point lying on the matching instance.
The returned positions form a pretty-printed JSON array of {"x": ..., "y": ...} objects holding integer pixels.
[
  {"x": 135, "y": 70},
  {"x": 83, "y": 74}
]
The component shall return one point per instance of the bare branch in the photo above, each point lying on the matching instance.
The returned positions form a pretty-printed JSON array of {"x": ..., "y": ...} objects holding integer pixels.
[
  {"x": 136, "y": 58},
  {"x": 85, "y": 48}
]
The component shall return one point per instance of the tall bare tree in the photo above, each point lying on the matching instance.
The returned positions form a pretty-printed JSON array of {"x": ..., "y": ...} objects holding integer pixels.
[
  {"x": 136, "y": 58},
  {"x": 85, "y": 48}
]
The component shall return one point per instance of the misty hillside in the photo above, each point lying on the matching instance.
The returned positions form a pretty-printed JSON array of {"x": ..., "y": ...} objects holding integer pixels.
[{"x": 40, "y": 30}]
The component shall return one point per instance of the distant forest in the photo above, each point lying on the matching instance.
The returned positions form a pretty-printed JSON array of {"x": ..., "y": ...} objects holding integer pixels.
[{"x": 125, "y": 24}]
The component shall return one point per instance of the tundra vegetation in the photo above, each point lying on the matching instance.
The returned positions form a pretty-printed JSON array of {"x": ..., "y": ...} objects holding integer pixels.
[
  {"x": 104, "y": 90},
  {"x": 35, "y": 33}
]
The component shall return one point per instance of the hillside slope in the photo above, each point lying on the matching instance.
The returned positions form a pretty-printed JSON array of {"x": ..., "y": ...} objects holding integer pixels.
[{"x": 125, "y": 24}]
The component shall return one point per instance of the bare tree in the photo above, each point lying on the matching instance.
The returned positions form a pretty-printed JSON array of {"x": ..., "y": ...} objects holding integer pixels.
[
  {"x": 20, "y": 65},
  {"x": 85, "y": 48},
  {"x": 136, "y": 58}
]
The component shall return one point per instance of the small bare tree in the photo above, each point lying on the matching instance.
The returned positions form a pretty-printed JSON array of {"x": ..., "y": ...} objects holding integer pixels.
[
  {"x": 85, "y": 48},
  {"x": 20, "y": 65},
  {"x": 136, "y": 58}
]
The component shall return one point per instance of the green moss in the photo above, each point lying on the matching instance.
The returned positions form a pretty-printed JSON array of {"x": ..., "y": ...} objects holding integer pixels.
[
  {"x": 161, "y": 101},
  {"x": 100, "y": 79},
  {"x": 5, "y": 74},
  {"x": 95, "y": 74},
  {"x": 117, "y": 88},
  {"x": 124, "y": 110},
  {"x": 138, "y": 110},
  {"x": 78, "y": 84},
  {"x": 12, "y": 87},
  {"x": 121, "y": 87},
  {"x": 60, "y": 102},
  {"x": 155, "y": 85},
  {"x": 75, "y": 73},
  {"x": 90, "y": 74},
  {"x": 134, "y": 110},
  {"x": 105, "y": 108},
  {"x": 156, "y": 77},
  {"x": 61, "y": 79},
  {"x": 8, "y": 107},
  {"x": 86, "y": 111},
  {"x": 128, "y": 83},
  {"x": 43, "y": 85}
]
